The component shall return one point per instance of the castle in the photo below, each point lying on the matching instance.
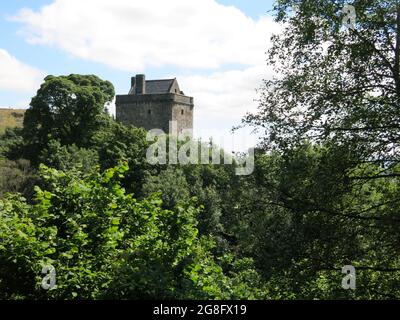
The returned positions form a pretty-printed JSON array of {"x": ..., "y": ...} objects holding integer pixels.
[{"x": 153, "y": 104}]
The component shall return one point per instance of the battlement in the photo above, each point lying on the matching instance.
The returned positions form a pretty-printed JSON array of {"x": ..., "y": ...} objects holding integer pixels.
[{"x": 170, "y": 97}]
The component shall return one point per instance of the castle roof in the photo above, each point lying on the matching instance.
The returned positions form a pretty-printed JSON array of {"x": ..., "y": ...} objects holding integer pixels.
[{"x": 159, "y": 86}]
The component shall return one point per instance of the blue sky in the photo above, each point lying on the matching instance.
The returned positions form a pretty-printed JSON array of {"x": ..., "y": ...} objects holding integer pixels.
[{"x": 69, "y": 38}]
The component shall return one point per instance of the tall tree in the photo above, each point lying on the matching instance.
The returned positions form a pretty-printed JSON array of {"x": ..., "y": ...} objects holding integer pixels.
[
  {"x": 338, "y": 88},
  {"x": 339, "y": 76},
  {"x": 66, "y": 108}
]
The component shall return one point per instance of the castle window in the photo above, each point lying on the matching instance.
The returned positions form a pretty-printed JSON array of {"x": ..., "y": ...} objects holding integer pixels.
[
  {"x": 182, "y": 112},
  {"x": 149, "y": 111}
]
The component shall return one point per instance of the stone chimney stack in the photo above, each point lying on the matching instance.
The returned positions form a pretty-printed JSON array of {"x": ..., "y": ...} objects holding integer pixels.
[
  {"x": 133, "y": 82},
  {"x": 140, "y": 84}
]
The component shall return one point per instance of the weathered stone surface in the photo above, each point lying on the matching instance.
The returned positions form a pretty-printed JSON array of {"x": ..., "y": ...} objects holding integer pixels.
[{"x": 155, "y": 110}]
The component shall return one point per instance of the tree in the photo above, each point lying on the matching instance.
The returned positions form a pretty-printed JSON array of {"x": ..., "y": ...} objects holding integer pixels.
[
  {"x": 116, "y": 143},
  {"x": 104, "y": 243},
  {"x": 336, "y": 83},
  {"x": 66, "y": 108},
  {"x": 332, "y": 116},
  {"x": 172, "y": 185},
  {"x": 68, "y": 157}
]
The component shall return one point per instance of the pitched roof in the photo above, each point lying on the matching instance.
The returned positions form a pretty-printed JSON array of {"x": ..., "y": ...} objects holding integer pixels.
[
  {"x": 159, "y": 86},
  {"x": 156, "y": 86}
]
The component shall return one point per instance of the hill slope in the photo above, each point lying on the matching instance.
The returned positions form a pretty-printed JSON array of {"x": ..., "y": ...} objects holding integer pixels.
[{"x": 10, "y": 118}]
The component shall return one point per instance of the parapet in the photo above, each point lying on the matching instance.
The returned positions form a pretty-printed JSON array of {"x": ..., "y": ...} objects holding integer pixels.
[{"x": 167, "y": 97}]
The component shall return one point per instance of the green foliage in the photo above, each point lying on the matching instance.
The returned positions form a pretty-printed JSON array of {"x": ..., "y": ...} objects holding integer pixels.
[
  {"x": 116, "y": 143},
  {"x": 330, "y": 180},
  {"x": 172, "y": 185},
  {"x": 11, "y": 144},
  {"x": 64, "y": 157},
  {"x": 66, "y": 108},
  {"x": 103, "y": 242},
  {"x": 324, "y": 193},
  {"x": 74, "y": 226}
]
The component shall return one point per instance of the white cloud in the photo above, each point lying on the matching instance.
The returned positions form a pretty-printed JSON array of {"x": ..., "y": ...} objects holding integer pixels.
[
  {"x": 17, "y": 76},
  {"x": 221, "y": 101},
  {"x": 134, "y": 34},
  {"x": 228, "y": 94}
]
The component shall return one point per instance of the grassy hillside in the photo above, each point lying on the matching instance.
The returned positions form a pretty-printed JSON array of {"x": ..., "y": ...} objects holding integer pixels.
[{"x": 11, "y": 118}]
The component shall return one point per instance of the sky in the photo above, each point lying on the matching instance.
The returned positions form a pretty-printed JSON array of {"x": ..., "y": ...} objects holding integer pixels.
[{"x": 215, "y": 48}]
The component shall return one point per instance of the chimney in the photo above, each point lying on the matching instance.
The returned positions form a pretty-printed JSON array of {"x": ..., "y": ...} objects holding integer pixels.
[
  {"x": 140, "y": 84},
  {"x": 133, "y": 82}
]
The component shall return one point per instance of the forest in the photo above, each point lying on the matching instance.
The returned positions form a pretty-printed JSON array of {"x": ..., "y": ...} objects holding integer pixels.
[{"x": 77, "y": 194}]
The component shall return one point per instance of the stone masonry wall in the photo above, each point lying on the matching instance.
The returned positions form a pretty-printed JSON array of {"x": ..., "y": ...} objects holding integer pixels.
[{"x": 155, "y": 111}]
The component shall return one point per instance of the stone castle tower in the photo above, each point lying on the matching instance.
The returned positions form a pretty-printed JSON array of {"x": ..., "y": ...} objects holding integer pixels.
[{"x": 153, "y": 104}]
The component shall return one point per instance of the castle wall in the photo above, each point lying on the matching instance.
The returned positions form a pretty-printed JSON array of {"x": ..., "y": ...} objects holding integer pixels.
[
  {"x": 183, "y": 115},
  {"x": 155, "y": 111}
]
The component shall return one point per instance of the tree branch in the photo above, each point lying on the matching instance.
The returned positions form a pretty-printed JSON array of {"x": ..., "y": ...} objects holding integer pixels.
[{"x": 397, "y": 52}]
